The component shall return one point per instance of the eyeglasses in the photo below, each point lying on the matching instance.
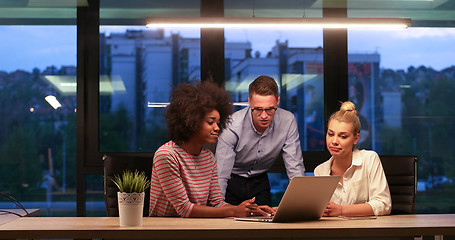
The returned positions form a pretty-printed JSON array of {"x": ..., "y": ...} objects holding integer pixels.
[{"x": 258, "y": 111}]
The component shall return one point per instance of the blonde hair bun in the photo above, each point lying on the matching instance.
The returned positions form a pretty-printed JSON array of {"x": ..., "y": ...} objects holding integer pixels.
[
  {"x": 348, "y": 114},
  {"x": 348, "y": 107}
]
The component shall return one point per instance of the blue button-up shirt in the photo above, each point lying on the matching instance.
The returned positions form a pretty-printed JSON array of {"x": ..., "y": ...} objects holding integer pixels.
[{"x": 245, "y": 152}]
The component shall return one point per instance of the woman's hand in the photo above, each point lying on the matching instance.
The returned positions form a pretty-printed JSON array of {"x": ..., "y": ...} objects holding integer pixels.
[
  {"x": 362, "y": 209},
  {"x": 265, "y": 210},
  {"x": 246, "y": 208},
  {"x": 249, "y": 208},
  {"x": 332, "y": 210}
]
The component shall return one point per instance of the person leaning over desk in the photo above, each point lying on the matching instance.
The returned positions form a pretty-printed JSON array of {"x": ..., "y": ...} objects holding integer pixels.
[
  {"x": 253, "y": 140},
  {"x": 363, "y": 188},
  {"x": 184, "y": 173}
]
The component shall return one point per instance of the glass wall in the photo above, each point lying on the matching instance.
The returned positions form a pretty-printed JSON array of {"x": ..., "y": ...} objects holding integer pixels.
[
  {"x": 295, "y": 60},
  {"x": 138, "y": 67},
  {"x": 402, "y": 82},
  {"x": 293, "y": 57},
  {"x": 38, "y": 117}
]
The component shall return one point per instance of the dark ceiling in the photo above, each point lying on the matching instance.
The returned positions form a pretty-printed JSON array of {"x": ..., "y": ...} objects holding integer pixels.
[{"x": 424, "y": 13}]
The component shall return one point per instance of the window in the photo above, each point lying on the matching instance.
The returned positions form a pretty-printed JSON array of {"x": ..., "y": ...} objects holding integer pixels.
[
  {"x": 402, "y": 83},
  {"x": 405, "y": 104},
  {"x": 139, "y": 67},
  {"x": 38, "y": 141},
  {"x": 295, "y": 60}
]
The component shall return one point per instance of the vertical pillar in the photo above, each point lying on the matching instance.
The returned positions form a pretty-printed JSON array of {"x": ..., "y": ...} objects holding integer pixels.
[{"x": 212, "y": 44}]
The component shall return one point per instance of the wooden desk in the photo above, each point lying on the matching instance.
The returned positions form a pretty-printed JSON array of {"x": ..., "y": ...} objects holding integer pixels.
[
  {"x": 7, "y": 217},
  {"x": 227, "y": 228}
]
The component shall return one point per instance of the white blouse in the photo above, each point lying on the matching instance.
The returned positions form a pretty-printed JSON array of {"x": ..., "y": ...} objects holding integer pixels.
[{"x": 363, "y": 182}]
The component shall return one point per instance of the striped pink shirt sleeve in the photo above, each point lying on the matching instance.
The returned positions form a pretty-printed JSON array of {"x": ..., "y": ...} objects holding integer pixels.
[{"x": 180, "y": 180}]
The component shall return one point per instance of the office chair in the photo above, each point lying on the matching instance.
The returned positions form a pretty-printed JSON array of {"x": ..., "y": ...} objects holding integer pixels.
[
  {"x": 401, "y": 174},
  {"x": 115, "y": 164}
]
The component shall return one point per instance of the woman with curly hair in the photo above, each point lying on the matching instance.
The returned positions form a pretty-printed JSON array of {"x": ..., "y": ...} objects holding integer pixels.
[{"x": 184, "y": 174}]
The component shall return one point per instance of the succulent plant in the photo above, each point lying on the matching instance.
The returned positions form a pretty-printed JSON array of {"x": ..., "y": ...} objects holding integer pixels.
[{"x": 131, "y": 182}]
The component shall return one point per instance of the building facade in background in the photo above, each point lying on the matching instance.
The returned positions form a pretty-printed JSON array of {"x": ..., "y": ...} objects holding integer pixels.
[{"x": 144, "y": 65}]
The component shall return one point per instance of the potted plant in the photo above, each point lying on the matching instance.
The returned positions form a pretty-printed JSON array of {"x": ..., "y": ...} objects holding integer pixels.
[{"x": 132, "y": 186}]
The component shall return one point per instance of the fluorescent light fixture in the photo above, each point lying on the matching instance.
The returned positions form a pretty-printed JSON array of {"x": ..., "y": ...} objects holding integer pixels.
[
  {"x": 278, "y": 23},
  {"x": 241, "y": 104},
  {"x": 57, "y": 3},
  {"x": 163, "y": 105},
  {"x": 157, "y": 105},
  {"x": 405, "y": 86},
  {"x": 66, "y": 84},
  {"x": 52, "y": 100}
]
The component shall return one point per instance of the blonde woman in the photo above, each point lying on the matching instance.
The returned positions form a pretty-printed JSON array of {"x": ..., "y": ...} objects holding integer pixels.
[{"x": 363, "y": 188}]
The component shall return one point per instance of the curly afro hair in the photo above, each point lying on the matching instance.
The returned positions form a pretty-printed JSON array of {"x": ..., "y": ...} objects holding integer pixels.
[{"x": 189, "y": 105}]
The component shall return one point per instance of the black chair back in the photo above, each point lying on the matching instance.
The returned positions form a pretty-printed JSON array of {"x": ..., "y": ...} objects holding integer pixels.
[
  {"x": 116, "y": 164},
  {"x": 401, "y": 174}
]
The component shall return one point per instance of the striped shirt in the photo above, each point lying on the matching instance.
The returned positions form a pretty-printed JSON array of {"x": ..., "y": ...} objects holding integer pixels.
[{"x": 181, "y": 180}]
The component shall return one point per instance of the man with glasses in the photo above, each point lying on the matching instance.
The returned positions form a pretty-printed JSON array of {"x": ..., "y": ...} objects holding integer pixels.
[{"x": 249, "y": 145}]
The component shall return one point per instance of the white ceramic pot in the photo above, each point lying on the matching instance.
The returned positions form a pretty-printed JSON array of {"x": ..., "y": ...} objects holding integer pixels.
[{"x": 130, "y": 207}]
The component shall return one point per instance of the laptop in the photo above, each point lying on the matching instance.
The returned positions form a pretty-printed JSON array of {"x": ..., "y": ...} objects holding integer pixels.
[{"x": 305, "y": 199}]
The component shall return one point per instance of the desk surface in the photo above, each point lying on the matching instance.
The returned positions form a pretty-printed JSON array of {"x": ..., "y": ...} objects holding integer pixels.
[
  {"x": 16, "y": 213},
  {"x": 228, "y": 228}
]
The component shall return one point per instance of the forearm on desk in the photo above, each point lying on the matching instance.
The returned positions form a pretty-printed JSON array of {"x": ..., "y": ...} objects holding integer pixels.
[{"x": 363, "y": 209}]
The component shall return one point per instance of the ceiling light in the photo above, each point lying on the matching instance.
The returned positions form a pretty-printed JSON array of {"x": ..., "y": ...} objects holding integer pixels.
[
  {"x": 52, "y": 100},
  {"x": 280, "y": 23}
]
